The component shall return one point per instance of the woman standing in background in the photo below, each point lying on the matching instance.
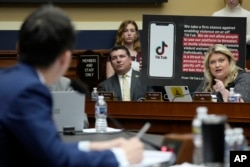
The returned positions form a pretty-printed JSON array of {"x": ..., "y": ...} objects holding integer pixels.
[
  {"x": 128, "y": 36},
  {"x": 233, "y": 8}
]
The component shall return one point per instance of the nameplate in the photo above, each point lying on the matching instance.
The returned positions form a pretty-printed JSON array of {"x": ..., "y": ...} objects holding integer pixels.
[
  {"x": 202, "y": 97},
  {"x": 153, "y": 96},
  {"x": 107, "y": 95}
]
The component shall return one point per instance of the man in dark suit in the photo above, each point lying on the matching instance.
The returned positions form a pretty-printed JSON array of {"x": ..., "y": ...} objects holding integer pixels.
[
  {"x": 28, "y": 134},
  {"x": 121, "y": 62}
]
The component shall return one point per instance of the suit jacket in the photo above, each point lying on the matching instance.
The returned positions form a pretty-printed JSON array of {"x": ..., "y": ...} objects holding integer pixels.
[
  {"x": 28, "y": 136},
  {"x": 137, "y": 88}
]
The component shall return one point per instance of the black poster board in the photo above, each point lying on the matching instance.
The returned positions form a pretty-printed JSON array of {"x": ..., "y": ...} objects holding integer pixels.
[{"x": 173, "y": 47}]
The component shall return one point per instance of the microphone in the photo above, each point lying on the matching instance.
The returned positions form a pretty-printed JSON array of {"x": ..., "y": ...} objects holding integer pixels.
[
  {"x": 79, "y": 86},
  {"x": 141, "y": 99}
]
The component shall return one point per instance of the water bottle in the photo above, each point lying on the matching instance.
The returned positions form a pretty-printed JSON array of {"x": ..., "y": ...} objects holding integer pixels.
[
  {"x": 94, "y": 94},
  {"x": 229, "y": 145},
  {"x": 240, "y": 140},
  {"x": 197, "y": 135},
  {"x": 101, "y": 115},
  {"x": 232, "y": 97}
]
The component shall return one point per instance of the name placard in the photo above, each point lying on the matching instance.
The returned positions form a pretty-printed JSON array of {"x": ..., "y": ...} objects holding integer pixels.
[
  {"x": 202, "y": 97},
  {"x": 107, "y": 95},
  {"x": 153, "y": 96}
]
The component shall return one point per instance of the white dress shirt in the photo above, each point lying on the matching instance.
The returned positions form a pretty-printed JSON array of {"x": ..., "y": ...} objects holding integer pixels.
[{"x": 237, "y": 11}]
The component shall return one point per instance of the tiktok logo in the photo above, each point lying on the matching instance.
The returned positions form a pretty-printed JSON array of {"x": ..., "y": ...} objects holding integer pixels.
[{"x": 161, "y": 49}]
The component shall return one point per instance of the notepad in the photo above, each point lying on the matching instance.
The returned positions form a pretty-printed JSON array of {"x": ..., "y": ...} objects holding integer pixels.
[
  {"x": 109, "y": 130},
  {"x": 156, "y": 158}
]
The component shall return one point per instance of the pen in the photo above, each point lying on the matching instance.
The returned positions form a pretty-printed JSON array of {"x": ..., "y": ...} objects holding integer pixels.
[{"x": 143, "y": 130}]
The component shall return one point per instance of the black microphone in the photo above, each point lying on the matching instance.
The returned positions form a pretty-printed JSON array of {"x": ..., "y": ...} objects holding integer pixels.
[{"x": 79, "y": 86}]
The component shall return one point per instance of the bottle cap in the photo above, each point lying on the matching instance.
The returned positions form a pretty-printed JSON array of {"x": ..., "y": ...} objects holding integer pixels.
[
  {"x": 201, "y": 110},
  {"x": 238, "y": 130},
  {"x": 214, "y": 119},
  {"x": 101, "y": 97},
  {"x": 229, "y": 131}
]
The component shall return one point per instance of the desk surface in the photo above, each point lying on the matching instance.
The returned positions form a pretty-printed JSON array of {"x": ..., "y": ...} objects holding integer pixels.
[
  {"x": 171, "y": 117},
  {"x": 151, "y": 142},
  {"x": 153, "y": 138}
]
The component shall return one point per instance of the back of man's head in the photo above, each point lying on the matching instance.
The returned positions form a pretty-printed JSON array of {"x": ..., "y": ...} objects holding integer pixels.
[{"x": 44, "y": 35}]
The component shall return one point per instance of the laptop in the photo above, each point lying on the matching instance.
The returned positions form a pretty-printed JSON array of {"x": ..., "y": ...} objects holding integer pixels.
[
  {"x": 68, "y": 110},
  {"x": 178, "y": 94}
]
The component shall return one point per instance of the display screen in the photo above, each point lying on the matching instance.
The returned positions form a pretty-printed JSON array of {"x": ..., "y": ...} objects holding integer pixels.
[{"x": 83, "y": 1}]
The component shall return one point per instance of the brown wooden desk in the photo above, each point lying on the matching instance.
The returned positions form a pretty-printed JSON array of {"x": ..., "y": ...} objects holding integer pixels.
[{"x": 170, "y": 117}]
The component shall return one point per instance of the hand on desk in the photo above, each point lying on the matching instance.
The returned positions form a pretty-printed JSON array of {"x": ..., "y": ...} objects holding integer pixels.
[{"x": 133, "y": 147}]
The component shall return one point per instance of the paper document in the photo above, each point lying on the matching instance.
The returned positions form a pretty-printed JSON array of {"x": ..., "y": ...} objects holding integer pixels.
[
  {"x": 109, "y": 130},
  {"x": 152, "y": 157},
  {"x": 186, "y": 164}
]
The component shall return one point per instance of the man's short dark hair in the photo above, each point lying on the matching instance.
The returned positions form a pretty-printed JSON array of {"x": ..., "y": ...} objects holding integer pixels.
[
  {"x": 120, "y": 47},
  {"x": 44, "y": 35}
]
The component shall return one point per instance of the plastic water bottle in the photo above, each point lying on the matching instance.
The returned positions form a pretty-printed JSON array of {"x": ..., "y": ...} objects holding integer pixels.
[
  {"x": 94, "y": 94},
  {"x": 229, "y": 145},
  {"x": 101, "y": 115},
  {"x": 234, "y": 141},
  {"x": 232, "y": 97},
  {"x": 201, "y": 112},
  {"x": 240, "y": 140}
]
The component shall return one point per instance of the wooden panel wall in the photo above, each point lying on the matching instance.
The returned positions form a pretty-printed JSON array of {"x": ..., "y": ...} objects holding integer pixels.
[{"x": 9, "y": 58}]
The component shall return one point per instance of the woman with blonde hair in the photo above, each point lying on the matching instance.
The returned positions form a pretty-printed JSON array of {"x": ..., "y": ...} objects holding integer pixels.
[
  {"x": 128, "y": 35},
  {"x": 221, "y": 73}
]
